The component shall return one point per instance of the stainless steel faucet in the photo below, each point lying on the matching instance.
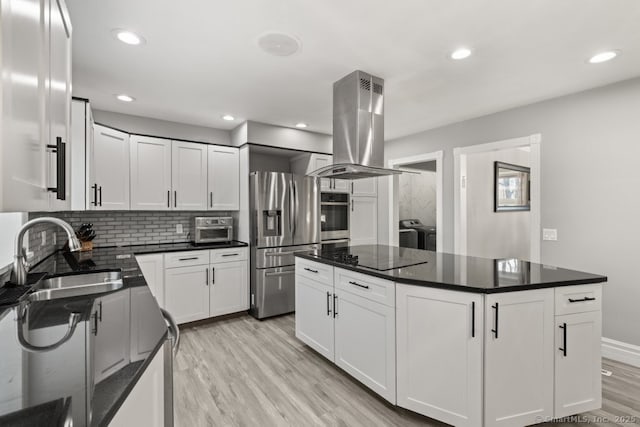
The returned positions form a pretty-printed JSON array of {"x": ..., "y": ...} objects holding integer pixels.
[{"x": 19, "y": 273}]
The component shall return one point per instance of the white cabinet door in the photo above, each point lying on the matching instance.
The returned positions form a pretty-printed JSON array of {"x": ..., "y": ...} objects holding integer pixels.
[
  {"x": 367, "y": 187},
  {"x": 229, "y": 291},
  {"x": 365, "y": 342},
  {"x": 152, "y": 268},
  {"x": 144, "y": 407},
  {"x": 578, "y": 361},
  {"x": 363, "y": 222},
  {"x": 341, "y": 185},
  {"x": 189, "y": 175},
  {"x": 223, "y": 178},
  {"x": 110, "y": 168},
  {"x": 186, "y": 292},
  {"x": 439, "y": 350},
  {"x": 23, "y": 125},
  {"x": 59, "y": 108},
  {"x": 314, "y": 315},
  {"x": 112, "y": 339},
  {"x": 144, "y": 312},
  {"x": 150, "y": 173},
  {"x": 519, "y": 352}
]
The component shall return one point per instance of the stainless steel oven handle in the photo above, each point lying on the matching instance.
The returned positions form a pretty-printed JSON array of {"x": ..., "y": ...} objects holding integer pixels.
[{"x": 279, "y": 253}]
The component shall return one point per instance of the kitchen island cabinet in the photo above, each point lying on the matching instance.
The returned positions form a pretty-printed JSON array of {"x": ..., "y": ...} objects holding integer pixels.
[{"x": 497, "y": 349}]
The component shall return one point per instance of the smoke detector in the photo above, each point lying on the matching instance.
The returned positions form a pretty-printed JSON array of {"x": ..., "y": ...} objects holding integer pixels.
[{"x": 279, "y": 44}]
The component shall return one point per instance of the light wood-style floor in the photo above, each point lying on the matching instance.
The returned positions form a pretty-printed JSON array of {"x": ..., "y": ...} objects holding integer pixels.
[{"x": 244, "y": 372}]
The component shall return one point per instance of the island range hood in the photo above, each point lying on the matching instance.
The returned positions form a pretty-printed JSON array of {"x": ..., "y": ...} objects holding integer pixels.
[{"x": 358, "y": 129}]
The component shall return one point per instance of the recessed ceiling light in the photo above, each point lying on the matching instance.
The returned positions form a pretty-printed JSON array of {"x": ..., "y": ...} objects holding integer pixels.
[
  {"x": 279, "y": 44},
  {"x": 228, "y": 117},
  {"x": 128, "y": 37},
  {"x": 603, "y": 57},
  {"x": 301, "y": 125},
  {"x": 125, "y": 98},
  {"x": 461, "y": 53}
]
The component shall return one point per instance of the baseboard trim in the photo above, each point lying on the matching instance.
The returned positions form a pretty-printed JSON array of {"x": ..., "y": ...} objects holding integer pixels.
[{"x": 621, "y": 351}]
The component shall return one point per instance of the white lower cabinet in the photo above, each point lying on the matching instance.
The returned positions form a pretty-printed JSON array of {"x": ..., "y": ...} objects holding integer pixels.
[
  {"x": 519, "y": 352},
  {"x": 439, "y": 351},
  {"x": 578, "y": 383},
  {"x": 152, "y": 268},
  {"x": 186, "y": 292},
  {"x": 144, "y": 407},
  {"x": 363, "y": 221},
  {"x": 198, "y": 284},
  {"x": 111, "y": 340},
  {"x": 227, "y": 293},
  {"x": 314, "y": 315},
  {"x": 365, "y": 337},
  {"x": 350, "y": 329}
]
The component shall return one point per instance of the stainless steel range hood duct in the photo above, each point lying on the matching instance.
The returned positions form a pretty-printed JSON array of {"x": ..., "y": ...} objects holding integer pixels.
[{"x": 358, "y": 129}]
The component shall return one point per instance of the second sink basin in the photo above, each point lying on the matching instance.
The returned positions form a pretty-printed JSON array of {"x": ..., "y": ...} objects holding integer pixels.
[{"x": 77, "y": 285}]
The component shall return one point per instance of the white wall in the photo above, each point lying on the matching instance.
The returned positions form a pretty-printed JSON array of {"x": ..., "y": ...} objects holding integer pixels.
[
  {"x": 417, "y": 196},
  {"x": 590, "y": 178},
  {"x": 10, "y": 223},
  {"x": 494, "y": 234},
  {"x": 154, "y": 127}
]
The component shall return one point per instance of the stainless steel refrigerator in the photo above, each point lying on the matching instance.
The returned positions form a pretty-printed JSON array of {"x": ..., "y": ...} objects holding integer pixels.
[{"x": 285, "y": 218}]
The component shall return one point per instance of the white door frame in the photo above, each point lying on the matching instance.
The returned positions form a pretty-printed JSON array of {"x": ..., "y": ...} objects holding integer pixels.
[
  {"x": 393, "y": 192},
  {"x": 459, "y": 186}
]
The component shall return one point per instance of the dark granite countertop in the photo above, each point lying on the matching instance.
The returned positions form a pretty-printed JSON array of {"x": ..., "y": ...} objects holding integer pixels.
[
  {"x": 55, "y": 384},
  {"x": 454, "y": 272}
]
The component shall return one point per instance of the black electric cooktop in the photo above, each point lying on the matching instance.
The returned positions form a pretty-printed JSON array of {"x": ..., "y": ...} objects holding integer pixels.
[{"x": 376, "y": 257}]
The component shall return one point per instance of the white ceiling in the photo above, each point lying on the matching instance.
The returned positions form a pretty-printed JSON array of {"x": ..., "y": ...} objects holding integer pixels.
[{"x": 201, "y": 58}]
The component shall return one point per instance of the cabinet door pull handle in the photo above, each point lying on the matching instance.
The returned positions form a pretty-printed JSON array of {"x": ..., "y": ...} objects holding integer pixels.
[
  {"x": 100, "y": 311},
  {"x": 351, "y": 205},
  {"x": 168, "y": 198},
  {"x": 335, "y": 305},
  {"x": 236, "y": 254},
  {"x": 213, "y": 275},
  {"x": 328, "y": 302},
  {"x": 206, "y": 282},
  {"x": 175, "y": 199},
  {"x": 358, "y": 284},
  {"x": 100, "y": 194},
  {"x": 188, "y": 259},
  {"x": 59, "y": 149},
  {"x": 563, "y": 349},
  {"x": 95, "y": 194},
  {"x": 581, "y": 299},
  {"x": 211, "y": 199},
  {"x": 311, "y": 270},
  {"x": 351, "y": 187},
  {"x": 495, "y": 330},
  {"x": 473, "y": 319}
]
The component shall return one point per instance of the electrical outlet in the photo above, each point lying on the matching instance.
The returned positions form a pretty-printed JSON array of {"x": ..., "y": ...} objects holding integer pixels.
[
  {"x": 55, "y": 239},
  {"x": 179, "y": 229},
  {"x": 549, "y": 234},
  {"x": 43, "y": 238}
]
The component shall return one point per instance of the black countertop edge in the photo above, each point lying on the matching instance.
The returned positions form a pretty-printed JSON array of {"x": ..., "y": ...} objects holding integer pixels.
[
  {"x": 115, "y": 406},
  {"x": 450, "y": 286}
]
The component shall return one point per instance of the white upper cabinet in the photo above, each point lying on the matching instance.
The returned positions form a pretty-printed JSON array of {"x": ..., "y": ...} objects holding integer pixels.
[
  {"x": 363, "y": 222},
  {"x": 109, "y": 171},
  {"x": 189, "y": 175},
  {"x": 367, "y": 187},
  {"x": 150, "y": 173},
  {"x": 223, "y": 178},
  {"x": 35, "y": 57}
]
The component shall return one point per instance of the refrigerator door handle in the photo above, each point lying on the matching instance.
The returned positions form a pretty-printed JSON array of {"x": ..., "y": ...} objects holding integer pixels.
[{"x": 295, "y": 209}]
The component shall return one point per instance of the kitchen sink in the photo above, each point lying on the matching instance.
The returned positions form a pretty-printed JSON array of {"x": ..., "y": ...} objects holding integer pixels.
[{"x": 76, "y": 285}]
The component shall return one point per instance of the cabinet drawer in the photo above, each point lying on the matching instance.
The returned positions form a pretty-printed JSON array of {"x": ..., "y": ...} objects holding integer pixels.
[
  {"x": 379, "y": 290},
  {"x": 578, "y": 299},
  {"x": 228, "y": 255},
  {"x": 184, "y": 259},
  {"x": 317, "y": 271}
]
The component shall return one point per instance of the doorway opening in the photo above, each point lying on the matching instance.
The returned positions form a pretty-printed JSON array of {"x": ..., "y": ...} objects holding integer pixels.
[
  {"x": 482, "y": 229},
  {"x": 415, "y": 202}
]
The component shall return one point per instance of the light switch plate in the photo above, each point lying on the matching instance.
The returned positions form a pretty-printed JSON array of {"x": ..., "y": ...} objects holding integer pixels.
[
  {"x": 549, "y": 234},
  {"x": 179, "y": 229},
  {"x": 43, "y": 238}
]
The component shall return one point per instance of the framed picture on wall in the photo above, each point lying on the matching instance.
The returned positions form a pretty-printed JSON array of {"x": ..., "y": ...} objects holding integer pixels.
[{"x": 511, "y": 187}]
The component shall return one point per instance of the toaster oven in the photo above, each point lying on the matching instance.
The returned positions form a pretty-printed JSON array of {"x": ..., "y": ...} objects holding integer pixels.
[{"x": 212, "y": 229}]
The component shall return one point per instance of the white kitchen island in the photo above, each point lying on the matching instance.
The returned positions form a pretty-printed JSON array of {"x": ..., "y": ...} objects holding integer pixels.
[{"x": 467, "y": 341}]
